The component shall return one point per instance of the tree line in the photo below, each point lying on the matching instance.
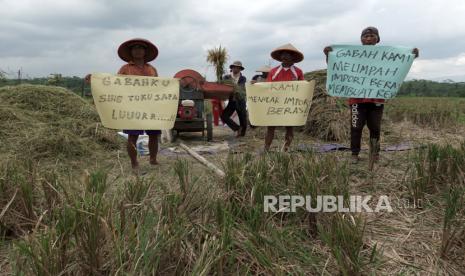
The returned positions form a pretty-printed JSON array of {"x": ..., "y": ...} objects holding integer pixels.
[
  {"x": 427, "y": 88},
  {"x": 75, "y": 84},
  {"x": 418, "y": 88}
]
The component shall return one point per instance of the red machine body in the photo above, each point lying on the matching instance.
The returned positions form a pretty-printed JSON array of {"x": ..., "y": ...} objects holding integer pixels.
[
  {"x": 187, "y": 112},
  {"x": 191, "y": 79},
  {"x": 193, "y": 91}
]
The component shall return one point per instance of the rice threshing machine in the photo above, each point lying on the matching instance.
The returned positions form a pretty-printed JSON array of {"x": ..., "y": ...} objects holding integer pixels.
[{"x": 193, "y": 91}]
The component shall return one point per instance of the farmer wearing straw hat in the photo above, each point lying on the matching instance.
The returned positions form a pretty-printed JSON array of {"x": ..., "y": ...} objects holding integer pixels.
[
  {"x": 137, "y": 53},
  {"x": 287, "y": 71},
  {"x": 264, "y": 70},
  {"x": 236, "y": 100},
  {"x": 366, "y": 111}
]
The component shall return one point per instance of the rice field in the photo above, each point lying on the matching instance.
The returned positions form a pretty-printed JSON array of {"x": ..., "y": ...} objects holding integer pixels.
[
  {"x": 69, "y": 204},
  {"x": 427, "y": 112}
]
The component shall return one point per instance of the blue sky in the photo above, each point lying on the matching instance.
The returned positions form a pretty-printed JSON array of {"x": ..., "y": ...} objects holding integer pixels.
[{"x": 75, "y": 37}]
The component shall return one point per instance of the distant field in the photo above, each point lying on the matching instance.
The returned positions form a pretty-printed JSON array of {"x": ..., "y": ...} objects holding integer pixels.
[{"x": 427, "y": 111}]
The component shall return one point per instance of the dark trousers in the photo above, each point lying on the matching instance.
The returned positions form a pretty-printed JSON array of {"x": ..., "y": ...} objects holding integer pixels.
[
  {"x": 361, "y": 114},
  {"x": 239, "y": 107}
]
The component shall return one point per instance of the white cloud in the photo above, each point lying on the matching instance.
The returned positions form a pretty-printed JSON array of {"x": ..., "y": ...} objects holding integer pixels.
[
  {"x": 79, "y": 36},
  {"x": 439, "y": 69}
]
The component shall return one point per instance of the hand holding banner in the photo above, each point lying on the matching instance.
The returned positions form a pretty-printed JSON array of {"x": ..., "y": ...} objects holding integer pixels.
[
  {"x": 367, "y": 71},
  {"x": 135, "y": 102},
  {"x": 279, "y": 103}
]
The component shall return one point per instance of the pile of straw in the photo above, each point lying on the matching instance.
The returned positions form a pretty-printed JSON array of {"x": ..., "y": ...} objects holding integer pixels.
[
  {"x": 43, "y": 129},
  {"x": 329, "y": 117},
  {"x": 50, "y": 122}
]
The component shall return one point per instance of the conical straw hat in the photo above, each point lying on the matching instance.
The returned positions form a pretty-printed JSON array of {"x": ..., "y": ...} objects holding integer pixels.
[
  {"x": 298, "y": 56},
  {"x": 264, "y": 69},
  {"x": 124, "y": 50}
]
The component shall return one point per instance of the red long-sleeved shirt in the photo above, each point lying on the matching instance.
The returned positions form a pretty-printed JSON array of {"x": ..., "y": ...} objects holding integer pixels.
[{"x": 285, "y": 75}]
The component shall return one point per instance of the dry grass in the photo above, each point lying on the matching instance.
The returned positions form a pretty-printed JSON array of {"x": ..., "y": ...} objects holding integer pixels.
[
  {"x": 43, "y": 122},
  {"x": 435, "y": 113},
  {"x": 181, "y": 219},
  {"x": 328, "y": 118},
  {"x": 218, "y": 57},
  {"x": 51, "y": 130}
]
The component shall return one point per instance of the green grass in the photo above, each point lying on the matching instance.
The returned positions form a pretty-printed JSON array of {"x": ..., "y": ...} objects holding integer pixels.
[
  {"x": 205, "y": 226},
  {"x": 438, "y": 173},
  {"x": 344, "y": 236},
  {"x": 435, "y": 168},
  {"x": 151, "y": 227},
  {"x": 453, "y": 224},
  {"x": 181, "y": 220}
]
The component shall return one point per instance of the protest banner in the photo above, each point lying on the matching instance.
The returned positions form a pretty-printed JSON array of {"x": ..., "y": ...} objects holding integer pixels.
[
  {"x": 279, "y": 103},
  {"x": 367, "y": 71},
  {"x": 135, "y": 102}
]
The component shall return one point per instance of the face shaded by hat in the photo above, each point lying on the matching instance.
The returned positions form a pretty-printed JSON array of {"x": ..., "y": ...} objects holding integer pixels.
[
  {"x": 237, "y": 64},
  {"x": 296, "y": 55},
  {"x": 125, "y": 49},
  {"x": 264, "y": 69},
  {"x": 371, "y": 30}
]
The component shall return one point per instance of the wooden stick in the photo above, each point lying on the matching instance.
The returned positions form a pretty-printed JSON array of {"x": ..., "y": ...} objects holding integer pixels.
[
  {"x": 8, "y": 205},
  {"x": 202, "y": 160}
]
